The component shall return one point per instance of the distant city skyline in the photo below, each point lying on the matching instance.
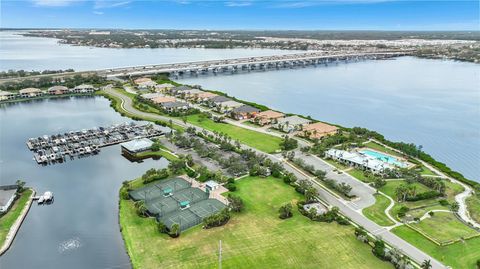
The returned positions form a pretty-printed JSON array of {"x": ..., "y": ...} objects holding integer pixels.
[{"x": 244, "y": 15}]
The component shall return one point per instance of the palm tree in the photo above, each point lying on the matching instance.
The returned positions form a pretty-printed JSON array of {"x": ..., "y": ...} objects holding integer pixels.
[{"x": 426, "y": 264}]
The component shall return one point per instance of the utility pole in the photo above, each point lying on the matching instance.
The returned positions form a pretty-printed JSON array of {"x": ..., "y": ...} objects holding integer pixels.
[{"x": 220, "y": 256}]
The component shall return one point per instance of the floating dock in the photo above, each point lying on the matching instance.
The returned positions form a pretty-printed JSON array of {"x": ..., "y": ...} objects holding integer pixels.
[{"x": 77, "y": 144}]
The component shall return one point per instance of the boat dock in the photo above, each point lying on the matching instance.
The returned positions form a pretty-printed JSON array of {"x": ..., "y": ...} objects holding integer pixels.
[{"x": 77, "y": 144}]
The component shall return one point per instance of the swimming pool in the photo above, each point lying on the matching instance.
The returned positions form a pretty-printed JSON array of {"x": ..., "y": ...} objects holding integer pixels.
[{"x": 383, "y": 157}]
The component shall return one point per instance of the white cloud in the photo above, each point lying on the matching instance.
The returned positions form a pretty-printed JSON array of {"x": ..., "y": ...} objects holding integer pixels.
[
  {"x": 98, "y": 12},
  {"x": 302, "y": 4},
  {"x": 238, "y": 4},
  {"x": 109, "y": 4},
  {"x": 54, "y": 3}
]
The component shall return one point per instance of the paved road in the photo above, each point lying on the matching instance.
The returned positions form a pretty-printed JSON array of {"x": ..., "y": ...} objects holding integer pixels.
[{"x": 345, "y": 207}]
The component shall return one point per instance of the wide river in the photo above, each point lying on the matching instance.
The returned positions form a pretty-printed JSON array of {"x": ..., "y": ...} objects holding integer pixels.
[{"x": 427, "y": 102}]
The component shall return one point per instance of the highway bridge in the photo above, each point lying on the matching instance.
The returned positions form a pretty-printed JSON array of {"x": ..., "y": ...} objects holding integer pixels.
[{"x": 229, "y": 65}]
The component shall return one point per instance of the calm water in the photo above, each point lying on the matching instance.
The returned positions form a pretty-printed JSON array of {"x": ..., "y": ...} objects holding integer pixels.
[
  {"x": 80, "y": 229},
  {"x": 427, "y": 102},
  {"x": 33, "y": 53}
]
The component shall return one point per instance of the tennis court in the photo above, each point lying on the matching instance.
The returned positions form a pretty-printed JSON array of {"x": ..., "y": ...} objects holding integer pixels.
[
  {"x": 175, "y": 201},
  {"x": 193, "y": 215},
  {"x": 155, "y": 190}
]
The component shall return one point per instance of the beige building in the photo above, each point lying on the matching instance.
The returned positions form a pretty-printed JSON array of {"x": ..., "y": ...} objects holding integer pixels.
[
  {"x": 30, "y": 92},
  {"x": 318, "y": 130}
]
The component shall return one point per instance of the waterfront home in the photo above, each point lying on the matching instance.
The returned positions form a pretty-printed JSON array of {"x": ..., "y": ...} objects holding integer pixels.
[
  {"x": 139, "y": 81},
  {"x": 84, "y": 88},
  {"x": 136, "y": 146},
  {"x": 163, "y": 99},
  {"x": 30, "y": 92},
  {"x": 214, "y": 101},
  {"x": 267, "y": 117},
  {"x": 290, "y": 124},
  {"x": 163, "y": 87},
  {"x": 146, "y": 85},
  {"x": 8, "y": 193},
  {"x": 57, "y": 90},
  {"x": 204, "y": 97},
  {"x": 189, "y": 94},
  {"x": 7, "y": 95},
  {"x": 177, "y": 90},
  {"x": 151, "y": 96},
  {"x": 244, "y": 112},
  {"x": 174, "y": 106},
  {"x": 358, "y": 160},
  {"x": 317, "y": 130},
  {"x": 227, "y": 106}
]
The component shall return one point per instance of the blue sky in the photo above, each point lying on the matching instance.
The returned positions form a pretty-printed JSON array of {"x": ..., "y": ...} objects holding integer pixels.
[{"x": 244, "y": 14}]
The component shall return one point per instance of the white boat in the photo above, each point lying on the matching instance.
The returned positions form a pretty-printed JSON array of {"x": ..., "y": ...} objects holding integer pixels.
[{"x": 41, "y": 200}]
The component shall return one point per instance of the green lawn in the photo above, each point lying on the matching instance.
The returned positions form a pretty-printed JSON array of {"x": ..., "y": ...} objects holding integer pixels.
[
  {"x": 256, "y": 238},
  {"x": 159, "y": 153},
  {"x": 338, "y": 165},
  {"x": 381, "y": 148},
  {"x": 376, "y": 212},
  {"x": 7, "y": 220},
  {"x": 444, "y": 227},
  {"x": 389, "y": 188},
  {"x": 473, "y": 205},
  {"x": 461, "y": 255},
  {"x": 425, "y": 171},
  {"x": 359, "y": 174},
  {"x": 261, "y": 141},
  {"x": 452, "y": 190}
]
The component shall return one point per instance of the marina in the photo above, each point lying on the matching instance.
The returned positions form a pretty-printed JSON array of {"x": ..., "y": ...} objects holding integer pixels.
[{"x": 58, "y": 147}]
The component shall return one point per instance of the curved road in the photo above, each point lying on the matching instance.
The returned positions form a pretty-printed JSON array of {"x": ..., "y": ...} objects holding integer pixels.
[{"x": 345, "y": 207}]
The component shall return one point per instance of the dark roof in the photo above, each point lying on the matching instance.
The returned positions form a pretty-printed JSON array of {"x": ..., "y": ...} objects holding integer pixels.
[
  {"x": 181, "y": 88},
  {"x": 174, "y": 104},
  {"x": 220, "y": 99},
  {"x": 245, "y": 109}
]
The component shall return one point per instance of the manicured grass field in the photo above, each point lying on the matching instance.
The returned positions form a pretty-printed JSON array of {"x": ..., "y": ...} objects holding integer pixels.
[
  {"x": 261, "y": 141},
  {"x": 376, "y": 212},
  {"x": 426, "y": 171},
  {"x": 338, "y": 165},
  {"x": 381, "y": 148},
  {"x": 461, "y": 255},
  {"x": 7, "y": 220},
  {"x": 359, "y": 174},
  {"x": 255, "y": 238},
  {"x": 159, "y": 153},
  {"x": 473, "y": 204},
  {"x": 444, "y": 227},
  {"x": 389, "y": 188}
]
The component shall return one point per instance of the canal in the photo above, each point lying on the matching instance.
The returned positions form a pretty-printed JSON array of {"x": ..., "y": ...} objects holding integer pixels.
[{"x": 80, "y": 229}]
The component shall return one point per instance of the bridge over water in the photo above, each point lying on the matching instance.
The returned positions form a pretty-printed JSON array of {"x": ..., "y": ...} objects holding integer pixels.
[{"x": 225, "y": 65}]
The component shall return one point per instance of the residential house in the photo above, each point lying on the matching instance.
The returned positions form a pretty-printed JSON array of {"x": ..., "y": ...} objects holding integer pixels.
[
  {"x": 267, "y": 117},
  {"x": 177, "y": 90},
  {"x": 7, "y": 197},
  {"x": 57, "y": 90},
  {"x": 174, "y": 106},
  {"x": 163, "y": 99},
  {"x": 227, "y": 106},
  {"x": 30, "y": 92},
  {"x": 189, "y": 94},
  {"x": 318, "y": 130},
  {"x": 214, "y": 101},
  {"x": 205, "y": 97},
  {"x": 244, "y": 112},
  {"x": 84, "y": 88},
  {"x": 7, "y": 95},
  {"x": 151, "y": 96},
  {"x": 163, "y": 87},
  {"x": 290, "y": 124},
  {"x": 139, "y": 81}
]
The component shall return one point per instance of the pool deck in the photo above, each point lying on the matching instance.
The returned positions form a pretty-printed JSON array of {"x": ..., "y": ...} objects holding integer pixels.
[{"x": 398, "y": 159}]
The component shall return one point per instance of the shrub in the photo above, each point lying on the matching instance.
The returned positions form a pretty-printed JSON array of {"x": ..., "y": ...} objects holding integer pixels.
[
  {"x": 444, "y": 202},
  {"x": 402, "y": 211},
  {"x": 285, "y": 211},
  {"x": 216, "y": 220},
  {"x": 236, "y": 203},
  {"x": 231, "y": 187},
  {"x": 161, "y": 227},
  {"x": 174, "y": 231},
  {"x": 431, "y": 213},
  {"x": 423, "y": 196},
  {"x": 124, "y": 194}
]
